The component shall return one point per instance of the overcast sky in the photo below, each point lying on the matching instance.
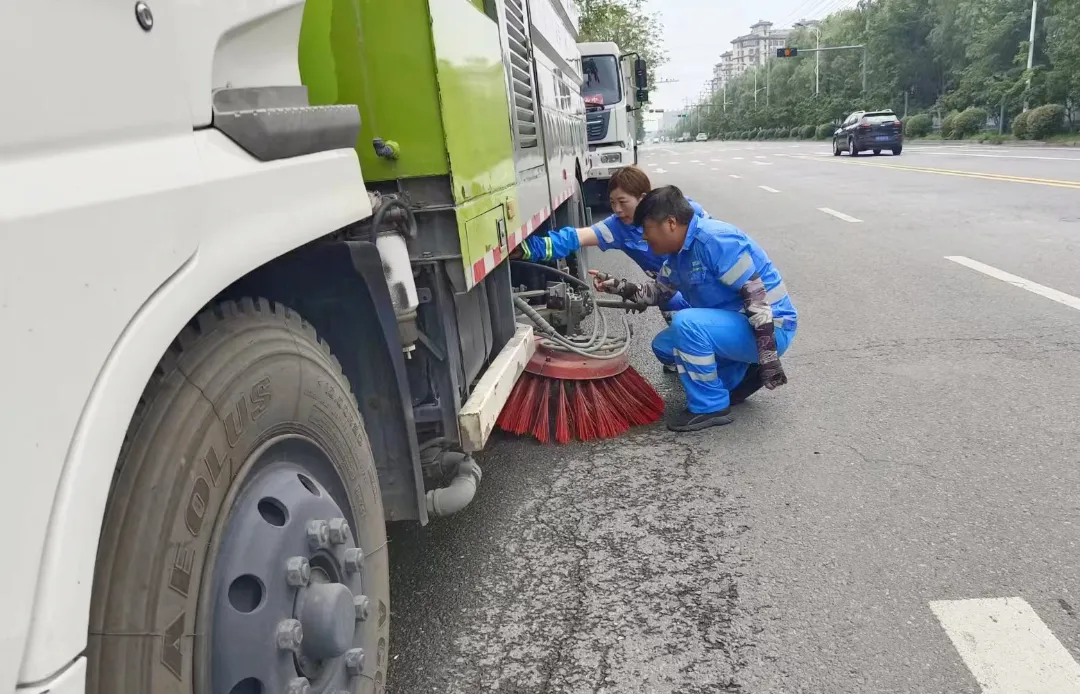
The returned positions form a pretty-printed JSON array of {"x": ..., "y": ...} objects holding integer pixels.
[{"x": 696, "y": 32}]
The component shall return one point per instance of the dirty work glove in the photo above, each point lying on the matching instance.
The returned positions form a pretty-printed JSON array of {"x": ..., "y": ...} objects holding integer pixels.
[
  {"x": 649, "y": 293},
  {"x": 772, "y": 375},
  {"x": 557, "y": 244}
]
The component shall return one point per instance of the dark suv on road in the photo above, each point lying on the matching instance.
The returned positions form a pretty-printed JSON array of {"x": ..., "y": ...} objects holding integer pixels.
[{"x": 869, "y": 130}]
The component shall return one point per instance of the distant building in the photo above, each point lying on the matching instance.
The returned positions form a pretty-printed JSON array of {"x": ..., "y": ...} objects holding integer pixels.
[
  {"x": 670, "y": 120},
  {"x": 748, "y": 51}
]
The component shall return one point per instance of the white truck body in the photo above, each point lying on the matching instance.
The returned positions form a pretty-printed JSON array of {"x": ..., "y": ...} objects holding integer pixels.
[
  {"x": 609, "y": 94},
  {"x": 121, "y": 216}
]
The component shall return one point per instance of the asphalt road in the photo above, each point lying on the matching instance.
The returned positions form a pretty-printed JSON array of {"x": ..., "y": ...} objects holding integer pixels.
[{"x": 857, "y": 530}]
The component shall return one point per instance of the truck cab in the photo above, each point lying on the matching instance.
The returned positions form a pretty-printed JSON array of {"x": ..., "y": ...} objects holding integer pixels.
[{"x": 613, "y": 87}]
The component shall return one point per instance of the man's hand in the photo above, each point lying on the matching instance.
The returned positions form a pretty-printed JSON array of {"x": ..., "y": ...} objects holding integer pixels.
[
  {"x": 603, "y": 282},
  {"x": 772, "y": 375}
]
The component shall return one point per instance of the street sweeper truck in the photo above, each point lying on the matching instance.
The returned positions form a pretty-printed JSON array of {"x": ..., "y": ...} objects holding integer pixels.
[{"x": 256, "y": 302}]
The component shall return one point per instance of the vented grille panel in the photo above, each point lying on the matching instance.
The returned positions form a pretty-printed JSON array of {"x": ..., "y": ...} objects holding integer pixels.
[{"x": 521, "y": 75}]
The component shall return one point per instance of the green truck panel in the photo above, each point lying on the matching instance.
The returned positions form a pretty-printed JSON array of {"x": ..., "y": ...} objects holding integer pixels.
[
  {"x": 427, "y": 75},
  {"x": 378, "y": 55},
  {"x": 472, "y": 92},
  {"x": 484, "y": 231}
]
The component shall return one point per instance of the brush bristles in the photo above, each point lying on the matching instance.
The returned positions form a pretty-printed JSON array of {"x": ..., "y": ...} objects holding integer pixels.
[{"x": 582, "y": 410}]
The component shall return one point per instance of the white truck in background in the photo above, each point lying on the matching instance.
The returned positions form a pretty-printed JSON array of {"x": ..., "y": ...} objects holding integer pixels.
[{"x": 613, "y": 87}]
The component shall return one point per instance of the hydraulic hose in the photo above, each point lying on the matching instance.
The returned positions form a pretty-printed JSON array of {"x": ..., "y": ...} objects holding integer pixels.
[
  {"x": 553, "y": 271},
  {"x": 619, "y": 346},
  {"x": 384, "y": 207}
]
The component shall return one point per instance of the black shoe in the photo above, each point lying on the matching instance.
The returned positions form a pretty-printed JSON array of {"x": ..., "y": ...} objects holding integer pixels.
[
  {"x": 750, "y": 384},
  {"x": 688, "y": 421},
  {"x": 671, "y": 369}
]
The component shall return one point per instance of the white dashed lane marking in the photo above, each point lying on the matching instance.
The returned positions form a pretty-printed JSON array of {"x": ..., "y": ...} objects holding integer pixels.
[
  {"x": 767, "y": 189},
  {"x": 1033, "y": 287},
  {"x": 735, "y": 175},
  {"x": 839, "y": 215},
  {"x": 1007, "y": 647}
]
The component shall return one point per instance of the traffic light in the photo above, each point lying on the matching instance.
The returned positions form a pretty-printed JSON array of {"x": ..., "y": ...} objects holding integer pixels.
[{"x": 787, "y": 52}]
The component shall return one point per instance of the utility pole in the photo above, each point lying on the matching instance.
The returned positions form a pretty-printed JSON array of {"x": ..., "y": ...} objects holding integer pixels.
[
  {"x": 767, "y": 64},
  {"x": 817, "y": 54},
  {"x": 863, "y": 70},
  {"x": 1031, "y": 48},
  {"x": 755, "y": 88},
  {"x": 817, "y": 64}
]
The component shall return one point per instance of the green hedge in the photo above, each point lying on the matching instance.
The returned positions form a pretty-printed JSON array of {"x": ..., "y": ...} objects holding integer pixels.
[
  {"x": 806, "y": 132},
  {"x": 1020, "y": 127},
  {"x": 948, "y": 126},
  {"x": 794, "y": 132},
  {"x": 1045, "y": 121},
  {"x": 825, "y": 130},
  {"x": 919, "y": 125},
  {"x": 970, "y": 122}
]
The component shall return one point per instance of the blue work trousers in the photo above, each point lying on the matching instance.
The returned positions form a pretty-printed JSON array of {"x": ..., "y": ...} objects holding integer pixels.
[{"x": 711, "y": 349}]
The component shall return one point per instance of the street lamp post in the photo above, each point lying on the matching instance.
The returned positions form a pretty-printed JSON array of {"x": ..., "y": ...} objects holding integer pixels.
[
  {"x": 1031, "y": 49},
  {"x": 817, "y": 55}
]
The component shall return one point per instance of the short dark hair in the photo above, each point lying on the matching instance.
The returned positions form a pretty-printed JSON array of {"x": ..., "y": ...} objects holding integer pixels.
[
  {"x": 630, "y": 180},
  {"x": 661, "y": 203}
]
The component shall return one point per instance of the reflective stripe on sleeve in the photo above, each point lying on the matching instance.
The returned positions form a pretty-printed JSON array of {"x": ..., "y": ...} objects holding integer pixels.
[
  {"x": 605, "y": 233},
  {"x": 776, "y": 293},
  {"x": 548, "y": 250},
  {"x": 744, "y": 263}
]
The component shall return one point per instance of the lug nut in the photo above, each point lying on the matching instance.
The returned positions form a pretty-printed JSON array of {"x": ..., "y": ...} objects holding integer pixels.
[
  {"x": 363, "y": 607},
  {"x": 354, "y": 661},
  {"x": 339, "y": 531},
  {"x": 297, "y": 571},
  {"x": 298, "y": 685},
  {"x": 290, "y": 634},
  {"x": 318, "y": 534},
  {"x": 354, "y": 560}
]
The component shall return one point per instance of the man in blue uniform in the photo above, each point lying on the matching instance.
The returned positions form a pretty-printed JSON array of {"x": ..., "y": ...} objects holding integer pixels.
[{"x": 727, "y": 345}]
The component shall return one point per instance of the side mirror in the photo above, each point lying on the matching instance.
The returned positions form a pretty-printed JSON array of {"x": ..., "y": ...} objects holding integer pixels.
[
  {"x": 641, "y": 74},
  {"x": 642, "y": 96}
]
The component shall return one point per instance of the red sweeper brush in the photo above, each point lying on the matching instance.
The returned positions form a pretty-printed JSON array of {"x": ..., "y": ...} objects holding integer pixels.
[{"x": 566, "y": 396}]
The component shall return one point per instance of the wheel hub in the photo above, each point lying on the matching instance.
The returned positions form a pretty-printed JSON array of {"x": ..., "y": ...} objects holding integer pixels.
[{"x": 287, "y": 588}]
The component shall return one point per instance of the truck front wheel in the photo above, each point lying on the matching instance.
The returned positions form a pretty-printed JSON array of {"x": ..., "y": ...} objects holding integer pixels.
[{"x": 243, "y": 549}]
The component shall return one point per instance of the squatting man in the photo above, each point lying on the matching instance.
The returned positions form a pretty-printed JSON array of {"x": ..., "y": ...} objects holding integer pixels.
[{"x": 727, "y": 344}]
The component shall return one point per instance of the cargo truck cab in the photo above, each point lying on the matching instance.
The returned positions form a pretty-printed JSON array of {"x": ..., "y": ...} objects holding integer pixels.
[{"x": 613, "y": 87}]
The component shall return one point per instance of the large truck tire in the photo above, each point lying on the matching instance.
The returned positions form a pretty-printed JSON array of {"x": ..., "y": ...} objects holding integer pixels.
[{"x": 243, "y": 546}]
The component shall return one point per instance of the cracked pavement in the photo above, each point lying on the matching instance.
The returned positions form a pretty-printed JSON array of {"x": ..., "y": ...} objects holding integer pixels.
[{"x": 925, "y": 449}]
